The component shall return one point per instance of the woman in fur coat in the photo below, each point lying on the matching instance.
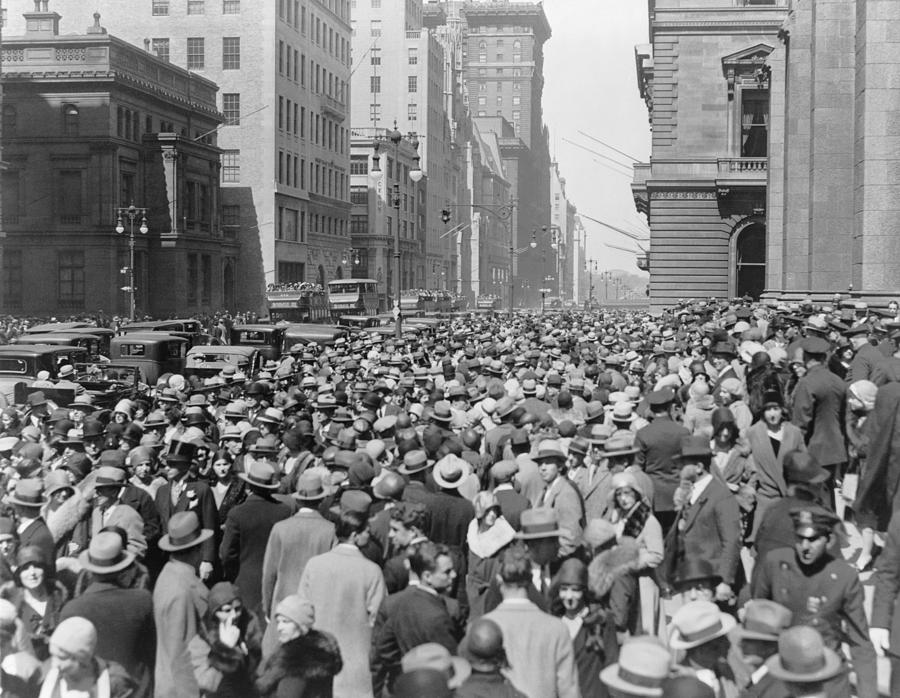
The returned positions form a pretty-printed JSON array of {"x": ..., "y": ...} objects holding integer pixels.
[
  {"x": 226, "y": 651},
  {"x": 306, "y": 661}
]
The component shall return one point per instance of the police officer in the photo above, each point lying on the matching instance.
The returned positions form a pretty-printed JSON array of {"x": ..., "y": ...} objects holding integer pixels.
[{"x": 822, "y": 591}]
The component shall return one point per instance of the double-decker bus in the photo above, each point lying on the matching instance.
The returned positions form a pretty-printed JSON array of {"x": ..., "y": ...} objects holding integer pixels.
[
  {"x": 297, "y": 302},
  {"x": 352, "y": 297}
]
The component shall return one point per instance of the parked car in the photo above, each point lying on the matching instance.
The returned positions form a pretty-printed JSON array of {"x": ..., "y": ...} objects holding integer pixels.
[
  {"x": 209, "y": 361},
  {"x": 154, "y": 353}
]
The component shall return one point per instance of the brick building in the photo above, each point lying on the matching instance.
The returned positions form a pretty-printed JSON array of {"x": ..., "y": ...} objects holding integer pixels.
[
  {"x": 91, "y": 124},
  {"x": 706, "y": 86},
  {"x": 283, "y": 69}
]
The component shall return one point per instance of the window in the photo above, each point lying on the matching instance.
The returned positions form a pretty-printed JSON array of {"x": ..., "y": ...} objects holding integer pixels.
[
  {"x": 375, "y": 28},
  {"x": 70, "y": 120},
  {"x": 231, "y": 165},
  {"x": 482, "y": 112},
  {"x": 517, "y": 72},
  {"x": 482, "y": 87},
  {"x": 206, "y": 279},
  {"x": 161, "y": 48},
  {"x": 376, "y": 4},
  {"x": 482, "y": 72},
  {"x": 499, "y": 57},
  {"x": 375, "y": 56},
  {"x": 482, "y": 58},
  {"x": 516, "y": 115},
  {"x": 517, "y": 85},
  {"x": 499, "y": 43},
  {"x": 375, "y": 84},
  {"x": 159, "y": 8},
  {"x": 195, "y": 53},
  {"x": 126, "y": 187},
  {"x": 70, "y": 265},
  {"x": 482, "y": 101},
  {"x": 193, "y": 273},
  {"x": 70, "y": 197},
  {"x": 375, "y": 112},
  {"x": 281, "y": 112},
  {"x": 411, "y": 111},
  {"x": 516, "y": 100},
  {"x": 517, "y": 45},
  {"x": 754, "y": 123},
  {"x": 359, "y": 165},
  {"x": 10, "y": 194},
  {"x": 231, "y": 7},
  {"x": 196, "y": 7},
  {"x": 231, "y": 215},
  {"x": 482, "y": 45},
  {"x": 412, "y": 83},
  {"x": 291, "y": 272},
  {"x": 12, "y": 278},
  {"x": 517, "y": 58},
  {"x": 413, "y": 56},
  {"x": 231, "y": 53},
  {"x": 231, "y": 108}
]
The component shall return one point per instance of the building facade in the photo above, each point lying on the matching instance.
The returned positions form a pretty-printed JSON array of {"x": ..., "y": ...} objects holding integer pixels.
[
  {"x": 283, "y": 68},
  {"x": 92, "y": 124},
  {"x": 833, "y": 195},
  {"x": 707, "y": 89}
]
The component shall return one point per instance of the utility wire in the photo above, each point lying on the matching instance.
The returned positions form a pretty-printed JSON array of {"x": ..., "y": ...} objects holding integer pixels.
[{"x": 620, "y": 152}]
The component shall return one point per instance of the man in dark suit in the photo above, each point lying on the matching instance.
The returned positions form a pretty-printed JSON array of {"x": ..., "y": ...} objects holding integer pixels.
[
  {"x": 865, "y": 357},
  {"x": 709, "y": 526},
  {"x": 820, "y": 400},
  {"x": 885, "y": 627},
  {"x": 658, "y": 445},
  {"x": 247, "y": 529},
  {"x": 183, "y": 492},
  {"x": 416, "y": 615},
  {"x": 27, "y": 500},
  {"x": 123, "y": 616},
  {"x": 512, "y": 504}
]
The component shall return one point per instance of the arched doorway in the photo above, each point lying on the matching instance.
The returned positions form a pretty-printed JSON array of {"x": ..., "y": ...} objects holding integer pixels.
[
  {"x": 750, "y": 260},
  {"x": 339, "y": 273}
]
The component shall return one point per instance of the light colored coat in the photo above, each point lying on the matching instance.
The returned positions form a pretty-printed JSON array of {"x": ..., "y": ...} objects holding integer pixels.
[
  {"x": 346, "y": 590},
  {"x": 179, "y": 602},
  {"x": 539, "y": 649}
]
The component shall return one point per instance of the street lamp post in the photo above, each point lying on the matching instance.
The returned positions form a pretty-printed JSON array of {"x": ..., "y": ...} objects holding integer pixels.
[
  {"x": 591, "y": 266},
  {"x": 350, "y": 254},
  {"x": 415, "y": 174},
  {"x": 132, "y": 214}
]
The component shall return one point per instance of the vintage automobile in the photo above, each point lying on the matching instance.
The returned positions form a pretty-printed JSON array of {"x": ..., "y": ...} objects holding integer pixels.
[
  {"x": 209, "y": 361},
  {"x": 154, "y": 353},
  {"x": 96, "y": 344},
  {"x": 359, "y": 322},
  {"x": 269, "y": 339},
  {"x": 325, "y": 335},
  {"x": 189, "y": 328},
  {"x": 22, "y": 363},
  {"x": 59, "y": 327},
  {"x": 106, "y": 384}
]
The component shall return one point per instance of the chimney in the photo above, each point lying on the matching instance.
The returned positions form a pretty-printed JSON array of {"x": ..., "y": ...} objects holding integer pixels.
[{"x": 41, "y": 22}]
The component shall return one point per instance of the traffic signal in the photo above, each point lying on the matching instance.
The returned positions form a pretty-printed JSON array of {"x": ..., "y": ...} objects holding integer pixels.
[{"x": 445, "y": 215}]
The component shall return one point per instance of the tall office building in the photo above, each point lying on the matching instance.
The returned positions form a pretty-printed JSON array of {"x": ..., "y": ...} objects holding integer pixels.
[
  {"x": 399, "y": 79},
  {"x": 283, "y": 69}
]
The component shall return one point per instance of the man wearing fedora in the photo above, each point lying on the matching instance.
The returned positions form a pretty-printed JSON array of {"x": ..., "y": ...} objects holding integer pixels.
[
  {"x": 757, "y": 637},
  {"x": 642, "y": 669},
  {"x": 539, "y": 648},
  {"x": 700, "y": 630},
  {"x": 823, "y": 591},
  {"x": 27, "y": 499},
  {"x": 247, "y": 529},
  {"x": 292, "y": 542},
  {"x": 179, "y": 603},
  {"x": 561, "y": 494},
  {"x": 805, "y": 665},
  {"x": 123, "y": 615},
  {"x": 709, "y": 524},
  {"x": 183, "y": 492}
]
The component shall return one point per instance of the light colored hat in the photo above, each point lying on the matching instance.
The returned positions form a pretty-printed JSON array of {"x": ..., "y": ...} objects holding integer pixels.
[
  {"x": 698, "y": 622},
  {"x": 803, "y": 657},
  {"x": 431, "y": 655},
  {"x": 106, "y": 554},
  {"x": 184, "y": 532},
  {"x": 642, "y": 667},
  {"x": 451, "y": 471},
  {"x": 297, "y": 610},
  {"x": 76, "y": 636}
]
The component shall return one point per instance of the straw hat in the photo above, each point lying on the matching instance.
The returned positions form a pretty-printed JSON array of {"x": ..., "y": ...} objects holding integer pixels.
[
  {"x": 699, "y": 622},
  {"x": 184, "y": 532}
]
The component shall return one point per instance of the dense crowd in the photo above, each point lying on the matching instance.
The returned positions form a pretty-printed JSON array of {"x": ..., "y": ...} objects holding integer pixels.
[{"x": 577, "y": 504}]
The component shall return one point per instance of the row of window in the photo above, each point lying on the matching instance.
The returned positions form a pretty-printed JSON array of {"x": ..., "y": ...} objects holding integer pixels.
[
  {"x": 482, "y": 87},
  {"x": 199, "y": 277},
  {"x": 161, "y": 8},
  {"x": 499, "y": 57},
  {"x": 493, "y": 29},
  {"x": 69, "y": 279},
  {"x": 196, "y": 51},
  {"x": 292, "y": 119},
  {"x": 499, "y": 43},
  {"x": 70, "y": 120},
  {"x": 292, "y": 64},
  {"x": 516, "y": 100},
  {"x": 516, "y": 72},
  {"x": 323, "y": 179}
]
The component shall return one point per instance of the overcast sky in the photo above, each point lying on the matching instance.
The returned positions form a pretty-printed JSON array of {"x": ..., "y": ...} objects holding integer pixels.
[{"x": 590, "y": 85}]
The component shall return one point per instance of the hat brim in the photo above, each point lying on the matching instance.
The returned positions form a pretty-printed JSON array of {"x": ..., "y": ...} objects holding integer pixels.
[
  {"x": 622, "y": 452},
  {"x": 740, "y": 633},
  {"x": 610, "y": 676},
  {"x": 403, "y": 470},
  {"x": 124, "y": 563},
  {"x": 446, "y": 484},
  {"x": 271, "y": 486},
  {"x": 309, "y": 498},
  {"x": 833, "y": 666},
  {"x": 522, "y": 535},
  {"x": 166, "y": 544},
  {"x": 12, "y": 499},
  {"x": 728, "y": 624}
]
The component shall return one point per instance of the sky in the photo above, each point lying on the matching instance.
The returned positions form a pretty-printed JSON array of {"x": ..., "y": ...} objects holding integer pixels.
[{"x": 590, "y": 85}]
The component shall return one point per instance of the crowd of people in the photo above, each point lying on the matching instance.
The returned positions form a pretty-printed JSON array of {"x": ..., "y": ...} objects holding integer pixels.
[{"x": 594, "y": 504}]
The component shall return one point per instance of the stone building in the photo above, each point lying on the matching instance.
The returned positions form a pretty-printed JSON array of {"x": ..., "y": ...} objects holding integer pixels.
[
  {"x": 92, "y": 124},
  {"x": 834, "y": 191},
  {"x": 705, "y": 81},
  {"x": 283, "y": 68}
]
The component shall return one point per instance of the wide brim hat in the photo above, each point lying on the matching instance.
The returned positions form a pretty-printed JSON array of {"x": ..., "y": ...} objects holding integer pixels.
[
  {"x": 29, "y": 492},
  {"x": 106, "y": 554},
  {"x": 261, "y": 474},
  {"x": 418, "y": 467},
  {"x": 822, "y": 668},
  {"x": 310, "y": 488},
  {"x": 451, "y": 472},
  {"x": 184, "y": 532},
  {"x": 650, "y": 669},
  {"x": 722, "y": 626},
  {"x": 540, "y": 522}
]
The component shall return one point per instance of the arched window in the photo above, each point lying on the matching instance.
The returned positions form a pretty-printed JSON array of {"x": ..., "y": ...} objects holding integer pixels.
[
  {"x": 70, "y": 120},
  {"x": 10, "y": 116},
  {"x": 339, "y": 273},
  {"x": 482, "y": 44},
  {"x": 517, "y": 45},
  {"x": 750, "y": 261}
]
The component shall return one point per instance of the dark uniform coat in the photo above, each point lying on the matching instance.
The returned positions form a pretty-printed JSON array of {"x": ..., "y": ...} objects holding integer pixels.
[
  {"x": 862, "y": 367},
  {"x": 828, "y": 597},
  {"x": 658, "y": 443},
  {"x": 886, "y": 604},
  {"x": 819, "y": 403}
]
